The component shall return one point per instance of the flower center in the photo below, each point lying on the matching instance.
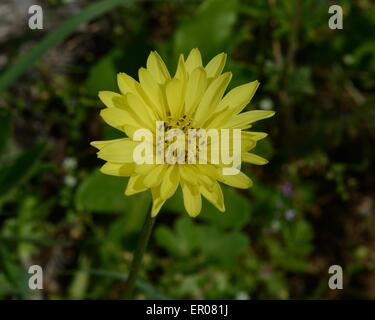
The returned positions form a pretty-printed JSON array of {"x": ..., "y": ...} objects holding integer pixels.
[
  {"x": 183, "y": 123},
  {"x": 176, "y": 127}
]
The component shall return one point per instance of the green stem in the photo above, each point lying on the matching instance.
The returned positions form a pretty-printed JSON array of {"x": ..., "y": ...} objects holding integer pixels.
[{"x": 138, "y": 255}]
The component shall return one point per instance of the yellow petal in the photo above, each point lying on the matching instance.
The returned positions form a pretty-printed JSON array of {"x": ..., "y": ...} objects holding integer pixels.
[
  {"x": 209, "y": 170},
  {"x": 119, "y": 151},
  {"x": 135, "y": 185},
  {"x": 246, "y": 143},
  {"x": 256, "y": 136},
  {"x": 216, "y": 65},
  {"x": 170, "y": 182},
  {"x": 189, "y": 173},
  {"x": 144, "y": 169},
  {"x": 192, "y": 199},
  {"x": 117, "y": 118},
  {"x": 243, "y": 119},
  {"x": 181, "y": 73},
  {"x": 240, "y": 180},
  {"x": 152, "y": 90},
  {"x": 118, "y": 169},
  {"x": 126, "y": 83},
  {"x": 157, "y": 201},
  {"x": 140, "y": 115},
  {"x": 107, "y": 98},
  {"x": 238, "y": 98},
  {"x": 175, "y": 96},
  {"x": 101, "y": 144},
  {"x": 218, "y": 118},
  {"x": 130, "y": 130},
  {"x": 193, "y": 61},
  {"x": 206, "y": 181},
  {"x": 196, "y": 86},
  {"x": 155, "y": 176},
  {"x": 214, "y": 196},
  {"x": 140, "y": 111},
  {"x": 211, "y": 98},
  {"x": 157, "y": 68},
  {"x": 253, "y": 158}
]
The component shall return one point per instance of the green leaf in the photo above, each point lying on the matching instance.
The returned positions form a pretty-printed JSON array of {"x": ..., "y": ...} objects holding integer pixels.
[
  {"x": 55, "y": 37},
  {"x": 13, "y": 173},
  {"x": 293, "y": 251},
  {"x": 16, "y": 277},
  {"x": 102, "y": 193},
  {"x": 236, "y": 215},
  {"x": 188, "y": 238},
  {"x": 210, "y": 30},
  {"x": 298, "y": 238},
  {"x": 8, "y": 265},
  {"x": 276, "y": 285},
  {"x": 183, "y": 241},
  {"x": 265, "y": 204},
  {"x": 221, "y": 246},
  {"x": 138, "y": 206},
  {"x": 102, "y": 75}
]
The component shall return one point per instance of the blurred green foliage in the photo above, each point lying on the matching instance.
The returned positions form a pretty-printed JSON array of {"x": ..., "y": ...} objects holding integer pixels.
[{"x": 312, "y": 206}]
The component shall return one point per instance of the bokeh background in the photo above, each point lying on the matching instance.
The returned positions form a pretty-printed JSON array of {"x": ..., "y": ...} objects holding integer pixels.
[{"x": 311, "y": 207}]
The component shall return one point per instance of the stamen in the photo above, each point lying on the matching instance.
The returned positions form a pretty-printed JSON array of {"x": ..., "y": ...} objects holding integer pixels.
[{"x": 183, "y": 123}]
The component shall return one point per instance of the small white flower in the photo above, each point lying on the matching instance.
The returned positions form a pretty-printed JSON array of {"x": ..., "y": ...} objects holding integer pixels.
[
  {"x": 348, "y": 59},
  {"x": 70, "y": 181},
  {"x": 290, "y": 214},
  {"x": 69, "y": 163},
  {"x": 266, "y": 104}
]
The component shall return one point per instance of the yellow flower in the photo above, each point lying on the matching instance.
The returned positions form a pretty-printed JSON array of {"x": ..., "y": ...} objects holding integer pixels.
[{"x": 192, "y": 99}]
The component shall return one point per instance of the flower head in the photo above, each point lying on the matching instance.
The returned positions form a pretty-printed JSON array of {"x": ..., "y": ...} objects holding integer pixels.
[{"x": 191, "y": 103}]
